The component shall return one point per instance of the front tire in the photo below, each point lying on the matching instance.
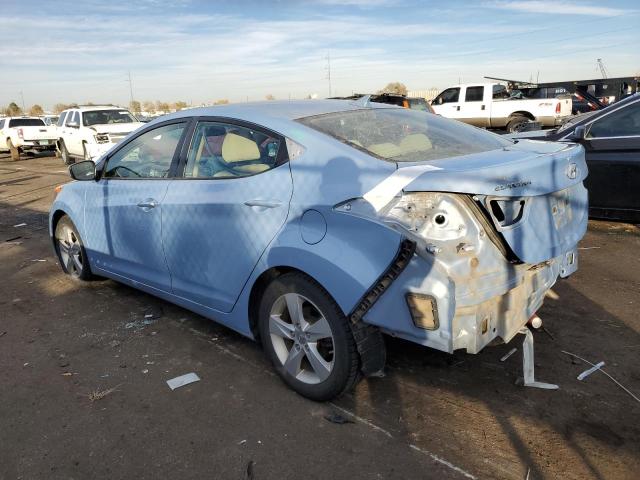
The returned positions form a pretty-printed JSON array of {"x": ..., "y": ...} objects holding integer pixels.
[
  {"x": 13, "y": 150},
  {"x": 64, "y": 154},
  {"x": 85, "y": 152},
  {"x": 307, "y": 338},
  {"x": 70, "y": 250}
]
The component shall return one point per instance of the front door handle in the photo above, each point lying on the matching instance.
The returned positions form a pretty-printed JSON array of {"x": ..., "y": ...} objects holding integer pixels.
[
  {"x": 458, "y": 108},
  {"x": 262, "y": 203},
  {"x": 148, "y": 204}
]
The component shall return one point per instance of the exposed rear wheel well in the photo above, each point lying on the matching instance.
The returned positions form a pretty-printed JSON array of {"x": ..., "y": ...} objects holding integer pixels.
[{"x": 522, "y": 114}]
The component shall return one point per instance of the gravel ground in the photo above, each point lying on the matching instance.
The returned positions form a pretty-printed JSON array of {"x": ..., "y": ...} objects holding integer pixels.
[{"x": 83, "y": 392}]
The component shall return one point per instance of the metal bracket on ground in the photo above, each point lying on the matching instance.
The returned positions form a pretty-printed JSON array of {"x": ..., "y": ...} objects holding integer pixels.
[{"x": 528, "y": 363}]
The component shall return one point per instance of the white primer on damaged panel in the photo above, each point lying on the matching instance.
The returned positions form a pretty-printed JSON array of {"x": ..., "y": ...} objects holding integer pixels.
[{"x": 383, "y": 193}]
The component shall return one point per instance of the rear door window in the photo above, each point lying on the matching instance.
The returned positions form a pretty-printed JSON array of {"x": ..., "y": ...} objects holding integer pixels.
[
  {"x": 61, "y": 119},
  {"x": 26, "y": 122},
  {"x": 474, "y": 94},
  {"x": 223, "y": 150}
]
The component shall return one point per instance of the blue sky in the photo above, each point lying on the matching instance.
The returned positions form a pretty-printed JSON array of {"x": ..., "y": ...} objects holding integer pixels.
[{"x": 199, "y": 51}]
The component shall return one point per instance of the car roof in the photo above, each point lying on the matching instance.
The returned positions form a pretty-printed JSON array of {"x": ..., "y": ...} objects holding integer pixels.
[
  {"x": 88, "y": 108},
  {"x": 266, "y": 111}
]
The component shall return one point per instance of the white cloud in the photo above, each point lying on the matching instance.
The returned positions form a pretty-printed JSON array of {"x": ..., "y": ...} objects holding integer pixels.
[{"x": 558, "y": 8}]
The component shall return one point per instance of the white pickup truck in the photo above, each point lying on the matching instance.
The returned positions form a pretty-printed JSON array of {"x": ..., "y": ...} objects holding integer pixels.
[
  {"x": 491, "y": 105},
  {"x": 21, "y": 134},
  {"x": 87, "y": 132}
]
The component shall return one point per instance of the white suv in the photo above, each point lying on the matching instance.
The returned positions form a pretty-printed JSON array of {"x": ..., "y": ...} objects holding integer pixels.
[{"x": 87, "y": 132}]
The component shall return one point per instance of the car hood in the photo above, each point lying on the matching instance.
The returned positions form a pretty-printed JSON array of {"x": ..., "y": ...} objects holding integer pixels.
[
  {"x": 541, "y": 180},
  {"x": 117, "y": 127}
]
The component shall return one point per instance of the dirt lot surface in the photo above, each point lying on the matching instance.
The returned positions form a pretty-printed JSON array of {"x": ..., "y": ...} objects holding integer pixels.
[{"x": 83, "y": 372}]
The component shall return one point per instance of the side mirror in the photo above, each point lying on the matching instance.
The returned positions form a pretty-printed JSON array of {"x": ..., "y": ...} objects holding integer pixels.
[
  {"x": 83, "y": 171},
  {"x": 73, "y": 124},
  {"x": 580, "y": 133}
]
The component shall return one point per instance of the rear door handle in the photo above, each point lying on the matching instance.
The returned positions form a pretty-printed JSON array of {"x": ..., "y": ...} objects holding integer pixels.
[
  {"x": 148, "y": 204},
  {"x": 262, "y": 203}
]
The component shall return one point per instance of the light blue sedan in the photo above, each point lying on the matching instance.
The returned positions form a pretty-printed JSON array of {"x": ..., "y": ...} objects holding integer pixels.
[{"x": 319, "y": 226}]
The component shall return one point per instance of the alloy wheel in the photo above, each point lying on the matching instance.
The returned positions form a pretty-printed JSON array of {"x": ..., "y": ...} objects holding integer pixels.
[
  {"x": 70, "y": 250},
  {"x": 302, "y": 338}
]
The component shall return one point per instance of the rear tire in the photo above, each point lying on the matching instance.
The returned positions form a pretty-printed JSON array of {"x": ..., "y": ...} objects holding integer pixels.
[
  {"x": 70, "y": 250},
  {"x": 517, "y": 124},
  {"x": 13, "y": 150},
  {"x": 64, "y": 154},
  {"x": 312, "y": 350}
]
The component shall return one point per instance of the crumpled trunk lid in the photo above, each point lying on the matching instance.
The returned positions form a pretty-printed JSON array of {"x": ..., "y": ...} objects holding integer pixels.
[{"x": 532, "y": 191}]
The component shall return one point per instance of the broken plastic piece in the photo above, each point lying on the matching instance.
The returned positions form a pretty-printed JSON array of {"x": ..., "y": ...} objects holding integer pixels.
[
  {"x": 511, "y": 352},
  {"x": 600, "y": 369},
  {"x": 182, "y": 380},
  {"x": 588, "y": 372},
  {"x": 528, "y": 363}
]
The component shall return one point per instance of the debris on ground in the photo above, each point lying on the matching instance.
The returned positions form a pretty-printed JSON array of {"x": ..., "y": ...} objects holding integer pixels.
[
  {"x": 39, "y": 260},
  {"x": 242, "y": 442},
  {"x": 601, "y": 370},
  {"x": 337, "y": 418},
  {"x": 588, "y": 372},
  {"x": 182, "y": 380},
  {"x": 153, "y": 313},
  {"x": 511, "y": 352},
  {"x": 138, "y": 324},
  {"x": 20, "y": 225},
  {"x": 100, "y": 394},
  {"x": 2, "y": 334}
]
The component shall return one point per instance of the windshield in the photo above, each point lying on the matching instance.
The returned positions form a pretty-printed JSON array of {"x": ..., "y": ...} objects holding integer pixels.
[
  {"x": 26, "y": 122},
  {"x": 404, "y": 135},
  {"x": 578, "y": 118},
  {"x": 103, "y": 117}
]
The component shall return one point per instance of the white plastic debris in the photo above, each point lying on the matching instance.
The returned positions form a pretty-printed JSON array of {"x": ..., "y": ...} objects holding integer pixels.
[
  {"x": 20, "y": 225},
  {"x": 528, "y": 364},
  {"x": 588, "y": 372},
  {"x": 182, "y": 380},
  {"x": 511, "y": 352}
]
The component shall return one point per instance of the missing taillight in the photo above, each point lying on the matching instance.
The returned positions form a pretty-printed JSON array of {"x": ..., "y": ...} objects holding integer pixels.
[{"x": 507, "y": 212}]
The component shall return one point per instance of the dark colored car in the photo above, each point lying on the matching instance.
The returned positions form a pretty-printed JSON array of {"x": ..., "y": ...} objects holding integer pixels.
[{"x": 611, "y": 139}]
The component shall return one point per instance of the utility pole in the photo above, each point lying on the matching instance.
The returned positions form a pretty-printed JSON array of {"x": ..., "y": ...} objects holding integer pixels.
[
  {"x": 22, "y": 96},
  {"x": 328, "y": 77},
  {"x": 130, "y": 88}
]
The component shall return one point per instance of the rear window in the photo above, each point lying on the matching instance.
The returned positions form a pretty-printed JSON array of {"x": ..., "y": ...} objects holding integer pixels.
[
  {"x": 26, "y": 122},
  {"x": 102, "y": 117},
  {"x": 404, "y": 135}
]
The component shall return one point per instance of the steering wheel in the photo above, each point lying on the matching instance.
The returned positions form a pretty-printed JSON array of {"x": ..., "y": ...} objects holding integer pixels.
[{"x": 127, "y": 169}]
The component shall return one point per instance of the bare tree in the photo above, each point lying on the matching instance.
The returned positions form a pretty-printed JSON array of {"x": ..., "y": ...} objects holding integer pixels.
[
  {"x": 134, "y": 106},
  {"x": 179, "y": 105},
  {"x": 395, "y": 87},
  {"x": 149, "y": 107},
  {"x": 36, "y": 110},
  {"x": 222, "y": 101},
  {"x": 13, "y": 110},
  {"x": 162, "y": 106},
  {"x": 269, "y": 97}
]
